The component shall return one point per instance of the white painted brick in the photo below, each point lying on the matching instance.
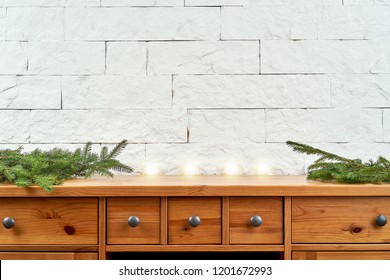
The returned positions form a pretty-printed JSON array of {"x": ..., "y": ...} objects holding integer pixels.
[
  {"x": 50, "y": 3},
  {"x": 176, "y": 23},
  {"x": 226, "y": 126},
  {"x": 30, "y": 92},
  {"x": 367, "y": 2},
  {"x": 354, "y": 22},
  {"x": 324, "y": 125},
  {"x": 269, "y": 22},
  {"x": 325, "y": 56},
  {"x": 2, "y": 23},
  {"x": 364, "y": 151},
  {"x": 35, "y": 24},
  {"x": 146, "y": 3},
  {"x": 14, "y": 126},
  {"x": 212, "y": 158},
  {"x": 137, "y": 126},
  {"x": 203, "y": 57},
  {"x": 361, "y": 90},
  {"x": 67, "y": 58},
  {"x": 127, "y": 58},
  {"x": 386, "y": 125},
  {"x": 252, "y": 91},
  {"x": 260, "y": 2},
  {"x": 13, "y": 58},
  {"x": 116, "y": 92}
]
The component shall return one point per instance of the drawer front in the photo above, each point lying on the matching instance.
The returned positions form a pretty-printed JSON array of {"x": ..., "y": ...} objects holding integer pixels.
[
  {"x": 147, "y": 210},
  {"x": 332, "y": 255},
  {"x": 50, "y": 220},
  {"x": 48, "y": 256},
  {"x": 209, "y": 212},
  {"x": 339, "y": 220},
  {"x": 242, "y": 209}
]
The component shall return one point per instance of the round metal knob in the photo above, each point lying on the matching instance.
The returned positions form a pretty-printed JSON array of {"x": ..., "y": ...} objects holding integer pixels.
[
  {"x": 381, "y": 220},
  {"x": 256, "y": 221},
  {"x": 8, "y": 222},
  {"x": 194, "y": 221},
  {"x": 133, "y": 221}
]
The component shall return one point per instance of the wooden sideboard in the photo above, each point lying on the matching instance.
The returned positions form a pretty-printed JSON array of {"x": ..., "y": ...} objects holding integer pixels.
[{"x": 282, "y": 217}]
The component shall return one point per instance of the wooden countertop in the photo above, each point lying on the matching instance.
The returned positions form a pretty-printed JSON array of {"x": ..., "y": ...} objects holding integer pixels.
[{"x": 200, "y": 185}]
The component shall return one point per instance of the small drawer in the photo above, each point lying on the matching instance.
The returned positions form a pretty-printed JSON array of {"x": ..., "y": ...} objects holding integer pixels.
[
  {"x": 337, "y": 255},
  {"x": 204, "y": 213},
  {"x": 49, "y": 221},
  {"x": 133, "y": 220},
  {"x": 340, "y": 220},
  {"x": 256, "y": 220}
]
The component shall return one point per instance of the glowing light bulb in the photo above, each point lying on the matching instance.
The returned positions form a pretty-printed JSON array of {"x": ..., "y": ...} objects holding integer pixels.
[
  {"x": 151, "y": 168},
  {"x": 190, "y": 168},
  {"x": 231, "y": 168},
  {"x": 263, "y": 168}
]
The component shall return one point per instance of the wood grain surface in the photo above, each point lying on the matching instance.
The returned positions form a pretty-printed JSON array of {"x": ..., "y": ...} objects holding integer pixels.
[
  {"x": 270, "y": 209},
  {"x": 50, "y": 221},
  {"x": 181, "y": 209},
  {"x": 339, "y": 220}
]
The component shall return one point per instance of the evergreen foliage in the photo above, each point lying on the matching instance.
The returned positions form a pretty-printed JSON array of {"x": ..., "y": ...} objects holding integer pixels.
[
  {"x": 53, "y": 167},
  {"x": 334, "y": 168}
]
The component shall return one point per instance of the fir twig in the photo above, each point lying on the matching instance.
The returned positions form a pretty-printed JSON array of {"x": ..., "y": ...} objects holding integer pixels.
[{"x": 334, "y": 168}]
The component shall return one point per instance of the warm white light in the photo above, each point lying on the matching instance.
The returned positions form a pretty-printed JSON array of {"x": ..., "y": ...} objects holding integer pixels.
[
  {"x": 190, "y": 168},
  {"x": 231, "y": 168},
  {"x": 263, "y": 168},
  {"x": 151, "y": 168}
]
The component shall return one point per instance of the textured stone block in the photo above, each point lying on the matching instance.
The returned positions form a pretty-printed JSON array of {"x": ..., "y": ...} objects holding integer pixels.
[
  {"x": 325, "y": 56},
  {"x": 30, "y": 92},
  {"x": 137, "y": 126},
  {"x": 127, "y": 58},
  {"x": 35, "y": 24},
  {"x": 51, "y": 3},
  {"x": 386, "y": 125},
  {"x": 261, "y": 2},
  {"x": 226, "y": 126},
  {"x": 142, "y": 23},
  {"x": 116, "y": 92},
  {"x": 269, "y": 22},
  {"x": 2, "y": 23},
  {"x": 354, "y": 22},
  {"x": 145, "y": 3},
  {"x": 213, "y": 158},
  {"x": 367, "y": 2},
  {"x": 66, "y": 58},
  {"x": 361, "y": 90},
  {"x": 252, "y": 91},
  {"x": 203, "y": 57},
  {"x": 324, "y": 125},
  {"x": 14, "y": 126},
  {"x": 13, "y": 58}
]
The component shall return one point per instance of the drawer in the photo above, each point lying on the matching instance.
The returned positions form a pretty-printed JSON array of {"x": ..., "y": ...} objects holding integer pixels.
[
  {"x": 339, "y": 220},
  {"x": 48, "y": 256},
  {"x": 50, "y": 220},
  {"x": 147, "y": 210},
  {"x": 241, "y": 211},
  {"x": 333, "y": 255},
  {"x": 180, "y": 210}
]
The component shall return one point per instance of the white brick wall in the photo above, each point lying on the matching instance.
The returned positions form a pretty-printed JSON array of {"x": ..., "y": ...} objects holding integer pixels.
[{"x": 206, "y": 82}]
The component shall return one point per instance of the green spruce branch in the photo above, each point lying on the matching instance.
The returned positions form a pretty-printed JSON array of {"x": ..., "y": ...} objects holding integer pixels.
[
  {"x": 334, "y": 168},
  {"x": 53, "y": 167}
]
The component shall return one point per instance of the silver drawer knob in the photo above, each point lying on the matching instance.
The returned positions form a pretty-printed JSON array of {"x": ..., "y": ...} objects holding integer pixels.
[
  {"x": 194, "y": 221},
  {"x": 256, "y": 221},
  {"x": 381, "y": 220},
  {"x": 8, "y": 222},
  {"x": 133, "y": 221}
]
